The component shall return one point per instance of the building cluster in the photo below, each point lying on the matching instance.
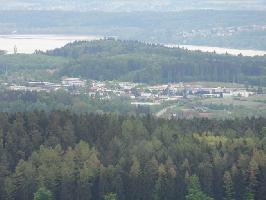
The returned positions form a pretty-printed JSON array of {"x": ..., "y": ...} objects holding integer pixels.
[
  {"x": 221, "y": 31},
  {"x": 174, "y": 92},
  {"x": 68, "y": 84},
  {"x": 138, "y": 94},
  {"x": 36, "y": 86}
]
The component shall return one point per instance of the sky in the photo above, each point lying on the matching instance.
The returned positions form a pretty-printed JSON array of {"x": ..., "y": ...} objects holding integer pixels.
[{"x": 132, "y": 5}]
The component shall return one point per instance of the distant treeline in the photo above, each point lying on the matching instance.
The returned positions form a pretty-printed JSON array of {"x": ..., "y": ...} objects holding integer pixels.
[
  {"x": 22, "y": 101},
  {"x": 90, "y": 156},
  {"x": 162, "y": 27},
  {"x": 111, "y": 59},
  {"x": 149, "y": 63}
]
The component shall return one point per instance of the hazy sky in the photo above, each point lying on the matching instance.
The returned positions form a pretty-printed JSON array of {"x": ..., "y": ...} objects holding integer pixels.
[{"x": 131, "y": 5}]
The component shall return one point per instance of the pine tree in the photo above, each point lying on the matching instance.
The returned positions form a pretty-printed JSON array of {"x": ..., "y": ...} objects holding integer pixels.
[
  {"x": 228, "y": 186},
  {"x": 9, "y": 189},
  {"x": 43, "y": 194},
  {"x": 110, "y": 196},
  {"x": 135, "y": 173},
  {"x": 194, "y": 191},
  {"x": 252, "y": 179},
  {"x": 160, "y": 186}
]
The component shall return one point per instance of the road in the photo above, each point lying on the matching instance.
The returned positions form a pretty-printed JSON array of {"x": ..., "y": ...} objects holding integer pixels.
[{"x": 163, "y": 111}]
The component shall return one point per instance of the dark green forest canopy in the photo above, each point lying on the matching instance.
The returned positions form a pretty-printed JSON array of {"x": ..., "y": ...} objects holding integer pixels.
[
  {"x": 150, "y": 63},
  {"x": 111, "y": 59},
  {"x": 20, "y": 101},
  {"x": 91, "y": 156}
]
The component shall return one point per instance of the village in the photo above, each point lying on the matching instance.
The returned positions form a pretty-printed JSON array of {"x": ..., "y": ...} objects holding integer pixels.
[
  {"x": 136, "y": 93},
  {"x": 221, "y": 31}
]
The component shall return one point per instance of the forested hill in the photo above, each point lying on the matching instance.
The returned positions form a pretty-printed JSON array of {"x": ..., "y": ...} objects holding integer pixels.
[
  {"x": 149, "y": 63},
  {"x": 91, "y": 156}
]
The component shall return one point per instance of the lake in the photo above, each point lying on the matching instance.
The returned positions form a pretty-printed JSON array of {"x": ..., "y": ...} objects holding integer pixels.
[
  {"x": 220, "y": 50},
  {"x": 29, "y": 43}
]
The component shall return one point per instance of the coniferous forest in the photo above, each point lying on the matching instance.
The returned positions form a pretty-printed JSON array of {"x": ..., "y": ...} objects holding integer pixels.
[
  {"x": 64, "y": 156},
  {"x": 132, "y": 100},
  {"x": 133, "y": 61},
  {"x": 112, "y": 59}
]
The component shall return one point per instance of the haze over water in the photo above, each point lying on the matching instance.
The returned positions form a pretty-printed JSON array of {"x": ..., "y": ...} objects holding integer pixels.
[
  {"x": 29, "y": 43},
  {"x": 220, "y": 50}
]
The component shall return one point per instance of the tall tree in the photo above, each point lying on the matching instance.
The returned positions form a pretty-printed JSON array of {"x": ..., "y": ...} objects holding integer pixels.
[
  {"x": 43, "y": 194},
  {"x": 228, "y": 186},
  {"x": 194, "y": 191},
  {"x": 253, "y": 171},
  {"x": 110, "y": 196}
]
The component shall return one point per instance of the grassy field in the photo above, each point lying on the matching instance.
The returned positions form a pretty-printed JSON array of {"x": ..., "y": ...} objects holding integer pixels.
[
  {"x": 214, "y": 84},
  {"x": 219, "y": 108}
]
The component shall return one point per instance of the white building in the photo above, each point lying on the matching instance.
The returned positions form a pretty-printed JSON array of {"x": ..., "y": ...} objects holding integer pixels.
[{"x": 73, "y": 82}]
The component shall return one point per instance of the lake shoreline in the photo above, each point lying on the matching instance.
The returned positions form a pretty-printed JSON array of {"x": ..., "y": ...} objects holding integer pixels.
[
  {"x": 28, "y": 44},
  {"x": 220, "y": 50}
]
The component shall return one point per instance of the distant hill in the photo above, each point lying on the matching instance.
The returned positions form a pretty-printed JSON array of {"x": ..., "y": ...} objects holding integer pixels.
[
  {"x": 149, "y": 63},
  {"x": 231, "y": 29}
]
